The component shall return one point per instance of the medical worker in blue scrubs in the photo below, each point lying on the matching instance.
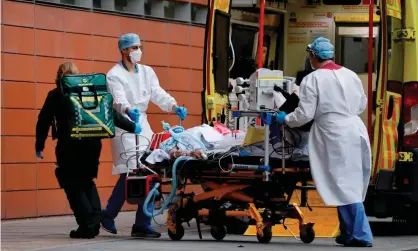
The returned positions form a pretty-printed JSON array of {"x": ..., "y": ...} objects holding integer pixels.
[
  {"x": 339, "y": 146},
  {"x": 133, "y": 86}
]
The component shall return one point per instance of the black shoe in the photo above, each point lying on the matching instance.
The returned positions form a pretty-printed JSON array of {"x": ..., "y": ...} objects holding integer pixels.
[
  {"x": 83, "y": 233},
  {"x": 340, "y": 240},
  {"x": 357, "y": 243},
  {"x": 96, "y": 230},
  {"x": 148, "y": 232}
]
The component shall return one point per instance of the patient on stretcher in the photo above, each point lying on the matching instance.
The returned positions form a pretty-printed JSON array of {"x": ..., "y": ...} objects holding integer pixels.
[{"x": 220, "y": 140}]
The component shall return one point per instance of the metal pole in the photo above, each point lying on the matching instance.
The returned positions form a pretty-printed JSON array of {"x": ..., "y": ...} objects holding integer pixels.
[
  {"x": 304, "y": 194},
  {"x": 261, "y": 35},
  {"x": 283, "y": 152},
  {"x": 266, "y": 150},
  {"x": 370, "y": 70},
  {"x": 137, "y": 150}
]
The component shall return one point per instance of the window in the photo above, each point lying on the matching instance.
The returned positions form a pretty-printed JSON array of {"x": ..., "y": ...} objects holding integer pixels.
[
  {"x": 121, "y": 5},
  {"x": 66, "y": 1},
  {"x": 221, "y": 44},
  {"x": 199, "y": 14},
  {"x": 169, "y": 10},
  {"x": 97, "y": 4},
  {"x": 165, "y": 9},
  {"x": 243, "y": 40}
]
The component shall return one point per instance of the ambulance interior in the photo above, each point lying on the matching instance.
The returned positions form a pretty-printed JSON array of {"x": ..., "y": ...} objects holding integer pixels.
[{"x": 288, "y": 28}]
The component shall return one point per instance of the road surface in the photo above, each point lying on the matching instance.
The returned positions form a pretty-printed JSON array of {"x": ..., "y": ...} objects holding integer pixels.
[{"x": 52, "y": 234}]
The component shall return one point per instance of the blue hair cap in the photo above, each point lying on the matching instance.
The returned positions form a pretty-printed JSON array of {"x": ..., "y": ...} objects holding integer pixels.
[
  {"x": 128, "y": 40},
  {"x": 322, "y": 48}
]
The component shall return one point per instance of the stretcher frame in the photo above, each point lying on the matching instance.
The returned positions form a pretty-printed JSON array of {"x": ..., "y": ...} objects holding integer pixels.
[{"x": 188, "y": 206}]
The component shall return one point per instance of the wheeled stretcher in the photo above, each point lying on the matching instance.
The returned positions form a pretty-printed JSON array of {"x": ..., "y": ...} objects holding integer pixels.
[
  {"x": 257, "y": 188},
  {"x": 264, "y": 203}
]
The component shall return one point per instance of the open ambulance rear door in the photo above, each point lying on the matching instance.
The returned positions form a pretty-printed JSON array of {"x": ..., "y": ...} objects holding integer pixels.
[{"x": 216, "y": 63}]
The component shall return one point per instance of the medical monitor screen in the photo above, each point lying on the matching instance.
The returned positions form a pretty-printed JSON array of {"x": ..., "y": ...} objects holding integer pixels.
[{"x": 220, "y": 51}]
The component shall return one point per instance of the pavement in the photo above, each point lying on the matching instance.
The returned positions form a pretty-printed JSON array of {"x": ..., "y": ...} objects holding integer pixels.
[{"x": 51, "y": 234}]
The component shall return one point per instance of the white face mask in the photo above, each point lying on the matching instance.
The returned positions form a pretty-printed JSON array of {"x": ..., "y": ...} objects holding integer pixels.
[{"x": 135, "y": 55}]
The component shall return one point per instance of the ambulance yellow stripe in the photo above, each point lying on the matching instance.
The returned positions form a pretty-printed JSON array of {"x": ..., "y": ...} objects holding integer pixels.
[{"x": 390, "y": 133}]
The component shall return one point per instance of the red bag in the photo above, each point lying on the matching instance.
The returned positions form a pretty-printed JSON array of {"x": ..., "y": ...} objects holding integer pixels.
[
  {"x": 157, "y": 138},
  {"x": 221, "y": 128}
]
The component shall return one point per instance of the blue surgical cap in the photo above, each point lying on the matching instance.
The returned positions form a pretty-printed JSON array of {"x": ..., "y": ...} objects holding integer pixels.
[
  {"x": 128, "y": 40},
  {"x": 322, "y": 48}
]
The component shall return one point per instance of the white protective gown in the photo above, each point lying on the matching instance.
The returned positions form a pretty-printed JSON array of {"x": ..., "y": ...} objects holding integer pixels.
[
  {"x": 134, "y": 90},
  {"x": 339, "y": 146}
]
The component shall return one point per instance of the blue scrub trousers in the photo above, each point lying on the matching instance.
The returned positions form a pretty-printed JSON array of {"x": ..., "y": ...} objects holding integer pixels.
[
  {"x": 354, "y": 223},
  {"x": 116, "y": 201}
]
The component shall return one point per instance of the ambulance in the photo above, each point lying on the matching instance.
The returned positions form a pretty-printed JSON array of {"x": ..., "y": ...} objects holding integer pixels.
[{"x": 375, "y": 39}]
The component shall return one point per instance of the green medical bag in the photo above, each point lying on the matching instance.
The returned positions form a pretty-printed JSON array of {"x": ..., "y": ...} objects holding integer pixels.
[{"x": 89, "y": 106}]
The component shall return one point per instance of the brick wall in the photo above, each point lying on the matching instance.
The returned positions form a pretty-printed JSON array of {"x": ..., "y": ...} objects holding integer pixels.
[{"x": 36, "y": 39}]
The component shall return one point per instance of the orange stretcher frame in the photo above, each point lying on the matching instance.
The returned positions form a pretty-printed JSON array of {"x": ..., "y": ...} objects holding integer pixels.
[{"x": 230, "y": 188}]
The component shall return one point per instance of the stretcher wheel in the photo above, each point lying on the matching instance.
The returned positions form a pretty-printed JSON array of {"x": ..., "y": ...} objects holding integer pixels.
[
  {"x": 218, "y": 232},
  {"x": 178, "y": 235},
  {"x": 308, "y": 235},
  {"x": 267, "y": 235}
]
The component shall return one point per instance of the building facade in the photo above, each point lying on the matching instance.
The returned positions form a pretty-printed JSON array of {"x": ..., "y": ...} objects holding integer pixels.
[{"x": 39, "y": 35}]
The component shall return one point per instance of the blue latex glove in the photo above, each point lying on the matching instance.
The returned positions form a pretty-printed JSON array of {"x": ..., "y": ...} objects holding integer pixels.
[
  {"x": 181, "y": 112},
  {"x": 39, "y": 155},
  {"x": 134, "y": 115},
  {"x": 280, "y": 117},
  {"x": 138, "y": 129}
]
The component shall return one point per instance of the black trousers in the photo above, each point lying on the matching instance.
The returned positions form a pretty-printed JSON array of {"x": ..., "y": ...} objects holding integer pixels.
[{"x": 82, "y": 196}]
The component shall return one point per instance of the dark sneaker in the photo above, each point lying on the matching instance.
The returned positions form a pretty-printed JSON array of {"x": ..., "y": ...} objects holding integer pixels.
[
  {"x": 147, "y": 232},
  {"x": 83, "y": 233},
  {"x": 108, "y": 225},
  {"x": 96, "y": 230},
  {"x": 357, "y": 243},
  {"x": 340, "y": 239}
]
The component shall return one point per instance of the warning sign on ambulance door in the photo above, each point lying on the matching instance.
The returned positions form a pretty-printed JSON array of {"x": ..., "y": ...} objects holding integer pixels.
[{"x": 394, "y": 8}]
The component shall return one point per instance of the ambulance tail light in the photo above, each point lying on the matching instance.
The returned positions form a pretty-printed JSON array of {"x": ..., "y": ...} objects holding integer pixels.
[{"x": 410, "y": 114}]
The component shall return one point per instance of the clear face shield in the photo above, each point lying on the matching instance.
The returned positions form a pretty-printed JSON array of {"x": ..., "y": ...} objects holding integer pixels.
[{"x": 309, "y": 50}]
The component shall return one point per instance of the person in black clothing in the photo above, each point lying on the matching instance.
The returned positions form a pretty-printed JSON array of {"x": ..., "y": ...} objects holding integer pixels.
[{"x": 77, "y": 159}]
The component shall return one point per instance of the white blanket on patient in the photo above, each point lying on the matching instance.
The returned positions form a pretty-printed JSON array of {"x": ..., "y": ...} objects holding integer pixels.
[{"x": 214, "y": 141}]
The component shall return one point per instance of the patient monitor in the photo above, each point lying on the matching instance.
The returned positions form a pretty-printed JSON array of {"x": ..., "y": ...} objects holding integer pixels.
[
  {"x": 261, "y": 89},
  {"x": 258, "y": 93}
]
